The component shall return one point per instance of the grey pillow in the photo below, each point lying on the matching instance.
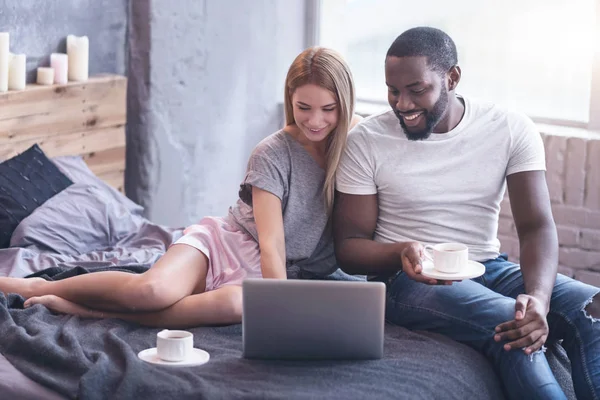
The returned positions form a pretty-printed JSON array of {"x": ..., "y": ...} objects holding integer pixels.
[
  {"x": 90, "y": 216},
  {"x": 78, "y": 220},
  {"x": 77, "y": 170}
]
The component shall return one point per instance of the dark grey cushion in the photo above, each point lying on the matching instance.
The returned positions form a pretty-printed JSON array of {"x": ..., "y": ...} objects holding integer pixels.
[{"x": 27, "y": 181}]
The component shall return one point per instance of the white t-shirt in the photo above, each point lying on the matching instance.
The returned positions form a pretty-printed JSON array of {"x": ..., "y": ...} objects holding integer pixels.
[{"x": 447, "y": 188}]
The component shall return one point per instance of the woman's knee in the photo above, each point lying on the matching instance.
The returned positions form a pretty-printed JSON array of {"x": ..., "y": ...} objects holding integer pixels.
[
  {"x": 231, "y": 303},
  {"x": 152, "y": 294}
]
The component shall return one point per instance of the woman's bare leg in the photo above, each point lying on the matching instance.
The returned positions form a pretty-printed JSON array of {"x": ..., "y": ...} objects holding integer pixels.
[
  {"x": 180, "y": 272},
  {"x": 217, "y": 307}
]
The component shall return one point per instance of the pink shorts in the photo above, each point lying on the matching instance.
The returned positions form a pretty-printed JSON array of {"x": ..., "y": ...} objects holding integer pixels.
[{"x": 233, "y": 255}]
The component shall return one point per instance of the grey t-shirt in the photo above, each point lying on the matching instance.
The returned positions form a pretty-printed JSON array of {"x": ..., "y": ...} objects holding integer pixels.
[{"x": 280, "y": 165}]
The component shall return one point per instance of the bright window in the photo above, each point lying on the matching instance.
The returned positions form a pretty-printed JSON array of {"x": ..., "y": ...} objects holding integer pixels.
[{"x": 533, "y": 55}]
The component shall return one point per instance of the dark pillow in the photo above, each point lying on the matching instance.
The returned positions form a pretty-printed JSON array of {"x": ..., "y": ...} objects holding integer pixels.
[{"x": 26, "y": 182}]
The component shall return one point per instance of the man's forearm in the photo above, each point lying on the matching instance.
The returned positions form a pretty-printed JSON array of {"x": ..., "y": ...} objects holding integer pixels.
[
  {"x": 539, "y": 262},
  {"x": 367, "y": 257}
]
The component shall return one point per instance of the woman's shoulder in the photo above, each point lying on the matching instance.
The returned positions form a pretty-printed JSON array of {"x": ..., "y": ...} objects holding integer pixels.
[
  {"x": 273, "y": 145},
  {"x": 273, "y": 153}
]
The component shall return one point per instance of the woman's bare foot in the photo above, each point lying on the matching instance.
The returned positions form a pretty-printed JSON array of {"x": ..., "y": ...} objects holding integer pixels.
[
  {"x": 26, "y": 287},
  {"x": 62, "y": 306}
]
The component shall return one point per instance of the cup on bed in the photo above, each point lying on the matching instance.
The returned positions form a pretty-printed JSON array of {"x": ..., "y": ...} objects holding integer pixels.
[
  {"x": 448, "y": 257},
  {"x": 174, "y": 345}
]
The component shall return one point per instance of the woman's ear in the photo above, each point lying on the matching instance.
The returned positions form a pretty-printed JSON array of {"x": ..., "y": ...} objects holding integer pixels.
[{"x": 453, "y": 77}]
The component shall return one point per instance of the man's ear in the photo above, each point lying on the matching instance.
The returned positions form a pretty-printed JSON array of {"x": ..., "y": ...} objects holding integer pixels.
[{"x": 453, "y": 77}]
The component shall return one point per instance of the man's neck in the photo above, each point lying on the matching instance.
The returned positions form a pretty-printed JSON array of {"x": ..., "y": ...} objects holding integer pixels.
[{"x": 456, "y": 111}]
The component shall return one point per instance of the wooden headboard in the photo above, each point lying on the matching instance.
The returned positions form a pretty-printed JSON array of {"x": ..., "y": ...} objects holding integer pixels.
[{"x": 79, "y": 118}]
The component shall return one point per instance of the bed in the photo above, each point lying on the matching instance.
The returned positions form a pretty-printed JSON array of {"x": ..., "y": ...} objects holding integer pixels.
[{"x": 89, "y": 225}]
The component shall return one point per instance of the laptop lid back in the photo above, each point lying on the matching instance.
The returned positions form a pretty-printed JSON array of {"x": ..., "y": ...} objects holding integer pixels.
[{"x": 309, "y": 319}]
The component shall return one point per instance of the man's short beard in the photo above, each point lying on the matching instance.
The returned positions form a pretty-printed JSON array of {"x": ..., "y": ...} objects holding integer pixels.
[{"x": 431, "y": 118}]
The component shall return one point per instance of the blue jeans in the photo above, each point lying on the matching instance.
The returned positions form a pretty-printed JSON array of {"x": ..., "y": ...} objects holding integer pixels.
[
  {"x": 337, "y": 275},
  {"x": 469, "y": 311}
]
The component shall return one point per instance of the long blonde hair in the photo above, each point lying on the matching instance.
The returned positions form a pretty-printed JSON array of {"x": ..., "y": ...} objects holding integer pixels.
[{"x": 325, "y": 68}]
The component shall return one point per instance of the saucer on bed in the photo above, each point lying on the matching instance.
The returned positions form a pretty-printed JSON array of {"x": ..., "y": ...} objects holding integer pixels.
[
  {"x": 197, "y": 357},
  {"x": 473, "y": 269}
]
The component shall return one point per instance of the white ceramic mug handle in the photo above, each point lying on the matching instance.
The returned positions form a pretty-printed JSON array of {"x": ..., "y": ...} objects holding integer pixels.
[{"x": 427, "y": 254}]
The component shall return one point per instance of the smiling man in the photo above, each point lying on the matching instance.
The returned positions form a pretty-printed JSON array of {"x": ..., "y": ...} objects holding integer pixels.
[
  {"x": 434, "y": 169},
  {"x": 429, "y": 107}
]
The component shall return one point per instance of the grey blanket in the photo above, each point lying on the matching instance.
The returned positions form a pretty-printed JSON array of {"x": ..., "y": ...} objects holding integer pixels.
[{"x": 97, "y": 359}]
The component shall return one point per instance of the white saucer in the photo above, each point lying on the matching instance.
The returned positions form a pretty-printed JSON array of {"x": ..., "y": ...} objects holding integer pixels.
[
  {"x": 473, "y": 269},
  {"x": 198, "y": 357}
]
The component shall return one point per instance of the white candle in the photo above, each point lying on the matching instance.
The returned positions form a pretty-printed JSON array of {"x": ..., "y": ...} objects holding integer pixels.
[
  {"x": 45, "y": 76},
  {"x": 4, "y": 59},
  {"x": 16, "y": 72},
  {"x": 60, "y": 63},
  {"x": 78, "y": 52}
]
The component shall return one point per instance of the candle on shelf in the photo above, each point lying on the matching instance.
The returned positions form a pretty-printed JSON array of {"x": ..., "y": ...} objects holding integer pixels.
[
  {"x": 78, "y": 52},
  {"x": 45, "y": 76},
  {"x": 16, "y": 72},
  {"x": 59, "y": 62},
  {"x": 4, "y": 59}
]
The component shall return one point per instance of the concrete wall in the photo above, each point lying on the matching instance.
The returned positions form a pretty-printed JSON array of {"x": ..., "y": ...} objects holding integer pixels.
[
  {"x": 205, "y": 78},
  {"x": 573, "y": 175},
  {"x": 40, "y": 27},
  {"x": 205, "y": 83}
]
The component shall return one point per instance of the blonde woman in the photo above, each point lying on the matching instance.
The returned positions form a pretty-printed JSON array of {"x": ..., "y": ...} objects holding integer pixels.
[{"x": 280, "y": 221}]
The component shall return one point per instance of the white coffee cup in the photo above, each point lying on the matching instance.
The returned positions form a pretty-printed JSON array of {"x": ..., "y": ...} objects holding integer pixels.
[
  {"x": 174, "y": 345},
  {"x": 448, "y": 257}
]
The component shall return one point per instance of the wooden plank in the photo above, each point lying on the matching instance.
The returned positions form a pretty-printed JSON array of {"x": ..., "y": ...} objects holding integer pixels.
[
  {"x": 77, "y": 143},
  {"x": 106, "y": 161},
  {"x": 53, "y": 110},
  {"x": 94, "y": 87},
  {"x": 109, "y": 165},
  {"x": 79, "y": 118}
]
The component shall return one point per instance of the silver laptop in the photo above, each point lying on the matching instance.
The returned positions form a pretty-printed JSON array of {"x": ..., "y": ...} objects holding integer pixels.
[{"x": 308, "y": 319}]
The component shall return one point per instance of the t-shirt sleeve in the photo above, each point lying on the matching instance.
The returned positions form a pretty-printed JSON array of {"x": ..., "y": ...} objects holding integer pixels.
[
  {"x": 356, "y": 171},
  {"x": 264, "y": 172},
  {"x": 527, "y": 149}
]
